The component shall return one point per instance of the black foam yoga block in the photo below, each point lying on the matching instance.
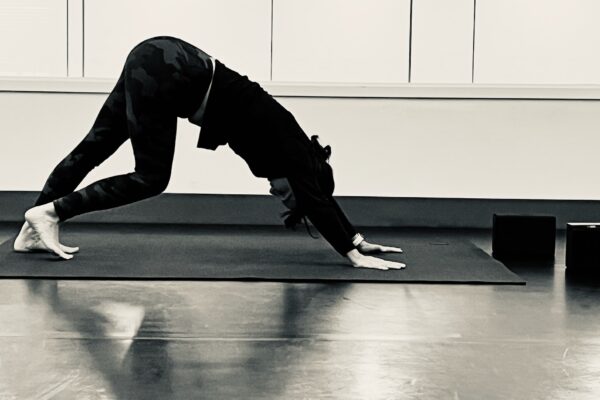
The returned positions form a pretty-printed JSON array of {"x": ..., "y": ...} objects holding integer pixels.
[
  {"x": 524, "y": 236},
  {"x": 583, "y": 248}
]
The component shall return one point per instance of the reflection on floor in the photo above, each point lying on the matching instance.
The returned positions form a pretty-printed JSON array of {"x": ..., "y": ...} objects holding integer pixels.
[{"x": 227, "y": 340}]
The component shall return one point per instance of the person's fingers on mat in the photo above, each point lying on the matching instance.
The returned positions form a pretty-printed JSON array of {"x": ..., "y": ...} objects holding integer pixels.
[
  {"x": 370, "y": 248},
  {"x": 393, "y": 264},
  {"x": 379, "y": 264},
  {"x": 390, "y": 249},
  {"x": 396, "y": 265},
  {"x": 371, "y": 264},
  {"x": 387, "y": 249},
  {"x": 359, "y": 260},
  {"x": 389, "y": 264},
  {"x": 380, "y": 267},
  {"x": 400, "y": 265}
]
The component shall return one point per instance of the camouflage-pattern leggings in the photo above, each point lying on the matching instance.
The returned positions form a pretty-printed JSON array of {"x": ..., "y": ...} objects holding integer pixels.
[{"x": 143, "y": 107}]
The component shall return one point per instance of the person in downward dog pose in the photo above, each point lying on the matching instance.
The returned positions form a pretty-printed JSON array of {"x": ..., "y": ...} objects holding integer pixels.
[{"x": 164, "y": 78}]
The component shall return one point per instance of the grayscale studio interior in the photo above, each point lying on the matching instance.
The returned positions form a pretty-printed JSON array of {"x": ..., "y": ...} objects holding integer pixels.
[{"x": 299, "y": 199}]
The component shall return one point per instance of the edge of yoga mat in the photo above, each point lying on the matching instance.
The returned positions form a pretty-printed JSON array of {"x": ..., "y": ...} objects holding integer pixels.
[{"x": 507, "y": 277}]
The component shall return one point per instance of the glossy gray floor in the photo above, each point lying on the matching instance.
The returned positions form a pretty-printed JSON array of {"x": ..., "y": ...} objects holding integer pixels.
[{"x": 228, "y": 340}]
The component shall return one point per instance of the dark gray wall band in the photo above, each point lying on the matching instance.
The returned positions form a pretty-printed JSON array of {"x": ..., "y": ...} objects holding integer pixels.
[{"x": 362, "y": 211}]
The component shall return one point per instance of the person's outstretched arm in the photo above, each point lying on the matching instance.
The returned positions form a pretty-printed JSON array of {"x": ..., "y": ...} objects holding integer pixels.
[
  {"x": 325, "y": 214},
  {"x": 358, "y": 240}
]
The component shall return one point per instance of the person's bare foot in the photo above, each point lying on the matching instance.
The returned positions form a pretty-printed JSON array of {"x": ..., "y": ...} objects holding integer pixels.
[
  {"x": 28, "y": 241},
  {"x": 44, "y": 222}
]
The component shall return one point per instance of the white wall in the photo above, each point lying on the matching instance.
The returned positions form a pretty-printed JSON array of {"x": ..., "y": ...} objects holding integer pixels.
[
  {"x": 381, "y": 147},
  {"x": 386, "y": 142},
  {"x": 238, "y": 31},
  {"x": 442, "y": 41},
  {"x": 537, "y": 41},
  {"x": 341, "y": 40},
  {"x": 33, "y": 37}
]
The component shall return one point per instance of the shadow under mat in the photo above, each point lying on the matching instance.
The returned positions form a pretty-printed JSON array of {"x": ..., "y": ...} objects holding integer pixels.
[{"x": 230, "y": 254}]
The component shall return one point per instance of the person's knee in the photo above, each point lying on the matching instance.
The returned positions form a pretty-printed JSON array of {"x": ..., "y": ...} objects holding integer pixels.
[
  {"x": 158, "y": 184},
  {"x": 152, "y": 185}
]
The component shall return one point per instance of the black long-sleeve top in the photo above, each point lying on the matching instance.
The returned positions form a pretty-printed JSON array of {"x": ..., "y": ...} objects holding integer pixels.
[{"x": 267, "y": 136}]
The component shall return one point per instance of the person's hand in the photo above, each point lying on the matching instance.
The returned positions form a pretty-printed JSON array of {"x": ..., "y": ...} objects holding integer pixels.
[
  {"x": 359, "y": 260},
  {"x": 370, "y": 248}
]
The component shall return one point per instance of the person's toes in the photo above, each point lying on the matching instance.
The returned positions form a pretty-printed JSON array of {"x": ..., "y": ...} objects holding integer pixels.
[
  {"x": 59, "y": 252},
  {"x": 69, "y": 249}
]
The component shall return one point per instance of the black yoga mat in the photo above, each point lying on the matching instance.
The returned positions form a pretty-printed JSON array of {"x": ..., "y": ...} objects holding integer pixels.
[{"x": 184, "y": 252}]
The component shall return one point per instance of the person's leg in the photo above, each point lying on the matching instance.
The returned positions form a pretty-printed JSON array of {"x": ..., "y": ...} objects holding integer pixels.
[
  {"x": 151, "y": 123},
  {"x": 107, "y": 134}
]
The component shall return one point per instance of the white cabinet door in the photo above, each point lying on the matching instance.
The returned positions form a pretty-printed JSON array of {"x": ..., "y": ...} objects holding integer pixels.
[
  {"x": 341, "y": 40},
  {"x": 442, "y": 41},
  {"x": 237, "y": 32},
  {"x": 537, "y": 41},
  {"x": 33, "y": 38}
]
